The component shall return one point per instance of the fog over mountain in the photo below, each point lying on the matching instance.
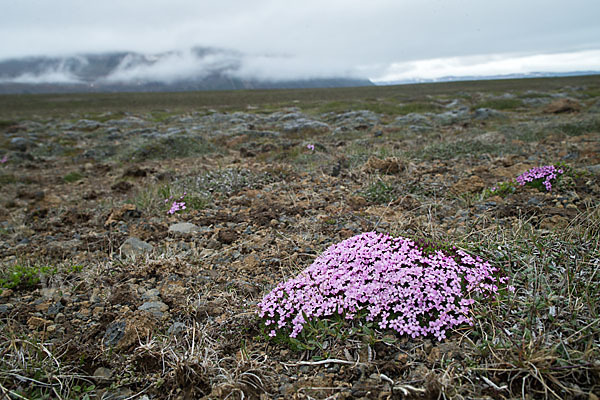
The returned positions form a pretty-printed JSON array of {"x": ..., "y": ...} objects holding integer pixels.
[{"x": 197, "y": 68}]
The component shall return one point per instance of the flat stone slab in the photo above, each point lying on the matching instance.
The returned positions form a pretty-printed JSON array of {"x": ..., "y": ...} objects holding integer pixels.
[
  {"x": 183, "y": 227},
  {"x": 133, "y": 247}
]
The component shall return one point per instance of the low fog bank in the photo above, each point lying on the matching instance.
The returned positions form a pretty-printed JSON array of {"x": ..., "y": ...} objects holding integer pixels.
[{"x": 191, "y": 65}]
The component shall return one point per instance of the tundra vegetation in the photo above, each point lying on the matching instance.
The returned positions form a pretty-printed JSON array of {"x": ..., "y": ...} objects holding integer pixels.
[{"x": 420, "y": 242}]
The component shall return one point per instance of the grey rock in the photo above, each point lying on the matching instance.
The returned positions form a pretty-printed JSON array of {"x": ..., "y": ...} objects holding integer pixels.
[
  {"x": 594, "y": 169},
  {"x": 356, "y": 120},
  {"x": 183, "y": 227},
  {"x": 415, "y": 119},
  {"x": 454, "y": 104},
  {"x": 127, "y": 121},
  {"x": 121, "y": 393},
  {"x": 176, "y": 328},
  {"x": 55, "y": 308},
  {"x": 156, "y": 308},
  {"x": 4, "y": 308},
  {"x": 452, "y": 117},
  {"x": 103, "y": 374},
  {"x": 87, "y": 124},
  {"x": 151, "y": 294},
  {"x": 303, "y": 125},
  {"x": 487, "y": 113},
  {"x": 19, "y": 144},
  {"x": 133, "y": 247},
  {"x": 65, "y": 246},
  {"x": 114, "y": 332}
]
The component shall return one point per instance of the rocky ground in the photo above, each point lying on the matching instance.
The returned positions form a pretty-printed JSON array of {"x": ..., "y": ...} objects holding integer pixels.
[{"x": 107, "y": 295}]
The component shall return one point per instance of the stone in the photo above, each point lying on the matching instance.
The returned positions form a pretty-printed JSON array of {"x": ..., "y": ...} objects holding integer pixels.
[
  {"x": 134, "y": 247},
  {"x": 54, "y": 308},
  {"x": 103, "y": 374},
  {"x": 114, "y": 332},
  {"x": 305, "y": 125},
  {"x": 156, "y": 308},
  {"x": 594, "y": 169},
  {"x": 176, "y": 328},
  {"x": 5, "y": 308},
  {"x": 19, "y": 144},
  {"x": 487, "y": 113},
  {"x": 87, "y": 125},
  {"x": 413, "y": 119},
  {"x": 151, "y": 294},
  {"x": 183, "y": 227},
  {"x": 452, "y": 117}
]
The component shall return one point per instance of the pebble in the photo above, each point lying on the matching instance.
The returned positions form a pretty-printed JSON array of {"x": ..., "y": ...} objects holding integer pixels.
[
  {"x": 102, "y": 374},
  {"x": 114, "y": 332},
  {"x": 4, "y": 308},
  {"x": 156, "y": 308},
  {"x": 183, "y": 227},
  {"x": 134, "y": 247},
  {"x": 176, "y": 328}
]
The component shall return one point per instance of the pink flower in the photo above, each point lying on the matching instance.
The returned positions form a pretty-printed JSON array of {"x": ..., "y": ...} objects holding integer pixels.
[
  {"x": 176, "y": 206},
  {"x": 393, "y": 280},
  {"x": 546, "y": 173}
]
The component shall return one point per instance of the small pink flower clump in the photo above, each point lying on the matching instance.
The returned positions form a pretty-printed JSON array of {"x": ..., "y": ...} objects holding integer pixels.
[
  {"x": 176, "y": 205},
  {"x": 547, "y": 173},
  {"x": 392, "y": 279}
]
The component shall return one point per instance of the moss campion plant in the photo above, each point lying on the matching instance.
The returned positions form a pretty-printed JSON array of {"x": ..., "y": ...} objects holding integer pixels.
[
  {"x": 397, "y": 283},
  {"x": 540, "y": 176}
]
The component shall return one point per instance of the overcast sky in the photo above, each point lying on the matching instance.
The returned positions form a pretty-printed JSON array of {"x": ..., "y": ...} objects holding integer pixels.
[{"x": 379, "y": 39}]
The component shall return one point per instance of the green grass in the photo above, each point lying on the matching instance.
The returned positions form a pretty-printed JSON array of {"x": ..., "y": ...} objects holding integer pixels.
[
  {"x": 379, "y": 192},
  {"x": 14, "y": 107},
  {"x": 500, "y": 104},
  {"x": 23, "y": 276}
]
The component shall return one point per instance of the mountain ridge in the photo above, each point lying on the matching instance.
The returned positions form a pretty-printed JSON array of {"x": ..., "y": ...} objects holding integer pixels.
[{"x": 194, "y": 69}]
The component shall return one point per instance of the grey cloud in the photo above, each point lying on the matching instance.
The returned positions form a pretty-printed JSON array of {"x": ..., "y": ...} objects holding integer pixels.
[
  {"x": 173, "y": 66},
  {"x": 314, "y": 37}
]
